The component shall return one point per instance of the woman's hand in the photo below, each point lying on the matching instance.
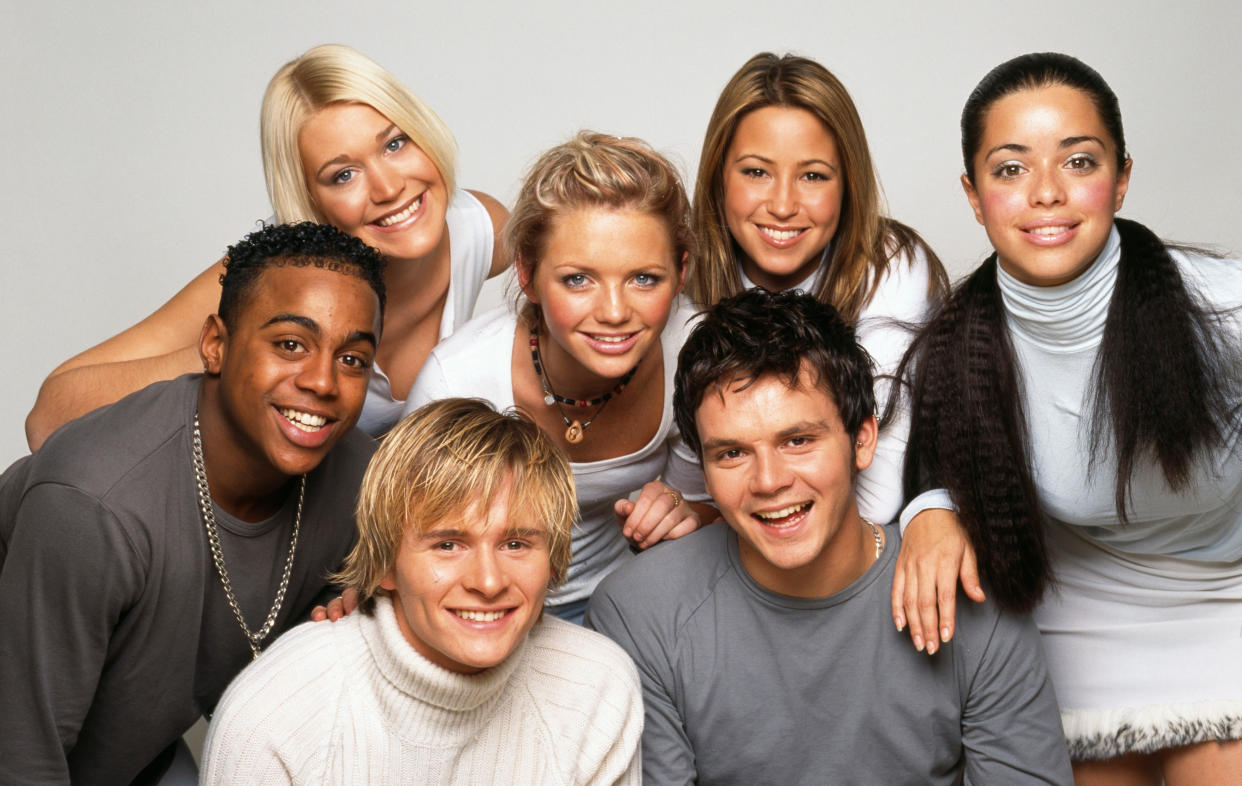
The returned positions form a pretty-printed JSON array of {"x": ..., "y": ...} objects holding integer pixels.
[
  {"x": 340, "y": 606},
  {"x": 658, "y": 514},
  {"x": 935, "y": 552}
]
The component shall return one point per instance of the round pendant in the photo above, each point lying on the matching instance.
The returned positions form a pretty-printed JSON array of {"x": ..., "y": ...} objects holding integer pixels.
[
  {"x": 573, "y": 434},
  {"x": 547, "y": 399}
]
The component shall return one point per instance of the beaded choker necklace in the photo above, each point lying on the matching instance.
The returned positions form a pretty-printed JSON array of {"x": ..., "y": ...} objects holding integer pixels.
[{"x": 575, "y": 429}]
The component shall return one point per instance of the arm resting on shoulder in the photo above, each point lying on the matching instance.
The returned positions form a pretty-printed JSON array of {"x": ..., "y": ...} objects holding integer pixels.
[{"x": 162, "y": 346}]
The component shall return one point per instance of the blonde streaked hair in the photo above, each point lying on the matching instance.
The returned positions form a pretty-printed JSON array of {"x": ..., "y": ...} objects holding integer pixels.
[
  {"x": 594, "y": 170},
  {"x": 865, "y": 241},
  {"x": 437, "y": 463},
  {"x": 335, "y": 74}
]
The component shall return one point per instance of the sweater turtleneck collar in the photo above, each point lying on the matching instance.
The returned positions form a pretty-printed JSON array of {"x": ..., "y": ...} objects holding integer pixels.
[
  {"x": 415, "y": 677},
  {"x": 1067, "y": 317}
]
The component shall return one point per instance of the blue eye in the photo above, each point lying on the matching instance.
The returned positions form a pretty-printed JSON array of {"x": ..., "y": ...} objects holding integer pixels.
[
  {"x": 344, "y": 176},
  {"x": 396, "y": 143},
  {"x": 574, "y": 280},
  {"x": 646, "y": 279}
]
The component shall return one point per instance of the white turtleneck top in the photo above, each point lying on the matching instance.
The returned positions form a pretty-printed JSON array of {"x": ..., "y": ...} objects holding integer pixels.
[
  {"x": 353, "y": 702},
  {"x": 1057, "y": 332}
]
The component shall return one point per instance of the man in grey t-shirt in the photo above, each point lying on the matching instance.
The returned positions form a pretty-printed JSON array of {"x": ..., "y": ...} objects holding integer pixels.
[
  {"x": 765, "y": 648},
  {"x": 149, "y": 548}
]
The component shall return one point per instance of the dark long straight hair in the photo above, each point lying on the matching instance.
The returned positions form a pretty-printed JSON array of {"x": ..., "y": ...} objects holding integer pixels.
[{"x": 1163, "y": 375}]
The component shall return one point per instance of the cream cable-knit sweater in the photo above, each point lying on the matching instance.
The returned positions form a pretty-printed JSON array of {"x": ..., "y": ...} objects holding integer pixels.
[{"x": 352, "y": 702}]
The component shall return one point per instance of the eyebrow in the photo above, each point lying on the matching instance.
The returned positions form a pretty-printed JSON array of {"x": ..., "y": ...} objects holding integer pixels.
[
  {"x": 1068, "y": 141},
  {"x": 342, "y": 158},
  {"x": 526, "y": 532},
  {"x": 716, "y": 444},
  {"x": 818, "y": 426},
  {"x": 766, "y": 160},
  {"x": 802, "y": 427},
  {"x": 296, "y": 319},
  {"x": 442, "y": 534},
  {"x": 511, "y": 532},
  {"x": 313, "y": 326}
]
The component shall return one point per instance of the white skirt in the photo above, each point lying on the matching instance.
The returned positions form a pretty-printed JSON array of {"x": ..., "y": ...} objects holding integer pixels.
[{"x": 1145, "y": 651}]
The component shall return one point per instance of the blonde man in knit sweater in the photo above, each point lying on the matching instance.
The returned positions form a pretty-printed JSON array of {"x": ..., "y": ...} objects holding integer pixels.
[{"x": 450, "y": 673}]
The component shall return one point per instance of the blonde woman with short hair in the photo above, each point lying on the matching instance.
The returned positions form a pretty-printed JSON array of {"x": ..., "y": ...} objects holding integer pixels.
[{"x": 344, "y": 143}]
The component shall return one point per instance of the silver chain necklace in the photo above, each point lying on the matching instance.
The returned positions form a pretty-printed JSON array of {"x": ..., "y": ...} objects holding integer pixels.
[{"x": 217, "y": 554}]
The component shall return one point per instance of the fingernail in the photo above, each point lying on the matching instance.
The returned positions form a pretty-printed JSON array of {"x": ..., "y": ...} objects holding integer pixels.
[
  {"x": 918, "y": 643},
  {"x": 901, "y": 624},
  {"x": 931, "y": 647},
  {"x": 944, "y": 633}
]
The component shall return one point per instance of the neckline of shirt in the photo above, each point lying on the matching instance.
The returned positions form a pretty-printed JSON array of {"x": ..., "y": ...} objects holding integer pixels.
[{"x": 1067, "y": 317}]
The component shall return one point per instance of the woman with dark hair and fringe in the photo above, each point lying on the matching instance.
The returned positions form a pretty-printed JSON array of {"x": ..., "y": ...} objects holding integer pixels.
[{"x": 1076, "y": 401}]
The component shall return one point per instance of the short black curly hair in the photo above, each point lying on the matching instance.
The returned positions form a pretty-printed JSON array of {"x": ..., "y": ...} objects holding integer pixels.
[
  {"x": 755, "y": 333},
  {"x": 300, "y": 245}
]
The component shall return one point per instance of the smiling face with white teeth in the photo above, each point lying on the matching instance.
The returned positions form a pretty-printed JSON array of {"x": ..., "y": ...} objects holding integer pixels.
[
  {"x": 781, "y": 468},
  {"x": 369, "y": 180},
  {"x": 605, "y": 285},
  {"x": 288, "y": 379},
  {"x": 466, "y": 591},
  {"x": 1046, "y": 183},
  {"x": 783, "y": 188}
]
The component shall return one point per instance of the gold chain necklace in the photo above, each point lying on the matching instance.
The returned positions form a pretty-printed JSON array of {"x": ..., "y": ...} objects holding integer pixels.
[
  {"x": 217, "y": 554},
  {"x": 879, "y": 541}
]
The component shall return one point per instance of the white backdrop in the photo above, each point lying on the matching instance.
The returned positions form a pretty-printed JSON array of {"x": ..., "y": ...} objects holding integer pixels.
[{"x": 129, "y": 131}]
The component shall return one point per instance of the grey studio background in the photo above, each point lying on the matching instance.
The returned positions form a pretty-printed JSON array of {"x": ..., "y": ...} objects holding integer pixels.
[{"x": 130, "y": 131}]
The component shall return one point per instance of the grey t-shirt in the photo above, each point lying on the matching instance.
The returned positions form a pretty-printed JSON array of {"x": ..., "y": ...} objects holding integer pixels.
[
  {"x": 105, "y": 656},
  {"x": 742, "y": 685}
]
